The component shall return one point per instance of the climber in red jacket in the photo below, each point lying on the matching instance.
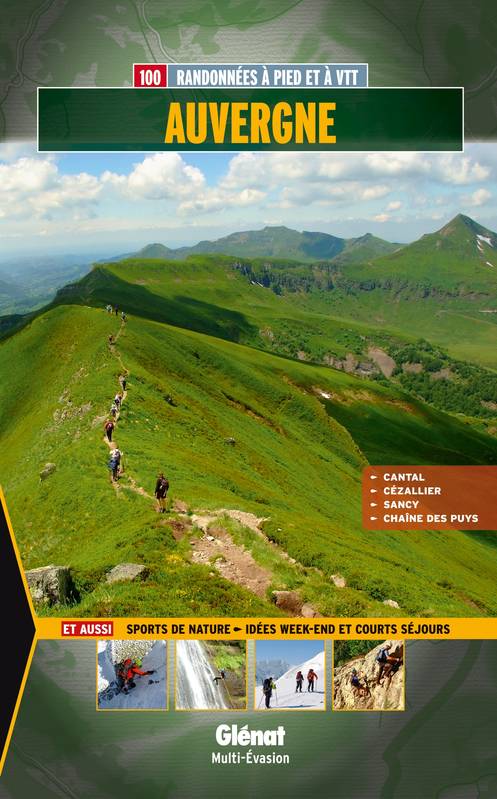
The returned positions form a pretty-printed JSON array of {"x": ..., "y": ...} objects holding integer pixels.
[{"x": 126, "y": 672}]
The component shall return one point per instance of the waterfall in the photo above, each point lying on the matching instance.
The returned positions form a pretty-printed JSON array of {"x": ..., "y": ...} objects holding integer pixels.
[{"x": 195, "y": 686}]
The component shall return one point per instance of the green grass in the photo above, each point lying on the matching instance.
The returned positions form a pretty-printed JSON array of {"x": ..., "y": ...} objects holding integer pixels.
[{"x": 297, "y": 459}]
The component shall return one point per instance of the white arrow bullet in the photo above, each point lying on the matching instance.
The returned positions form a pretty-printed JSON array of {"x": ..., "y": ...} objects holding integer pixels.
[
  {"x": 373, "y": 504},
  {"x": 373, "y": 518},
  {"x": 373, "y": 490},
  {"x": 373, "y": 476}
]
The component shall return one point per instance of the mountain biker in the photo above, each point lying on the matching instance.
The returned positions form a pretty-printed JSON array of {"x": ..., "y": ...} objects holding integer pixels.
[
  {"x": 300, "y": 680},
  {"x": 161, "y": 489},
  {"x": 109, "y": 429},
  {"x": 268, "y": 686},
  {"x": 311, "y": 676}
]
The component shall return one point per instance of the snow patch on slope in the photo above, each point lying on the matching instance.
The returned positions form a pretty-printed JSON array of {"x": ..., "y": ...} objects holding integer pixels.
[
  {"x": 286, "y": 697},
  {"x": 486, "y": 239}
]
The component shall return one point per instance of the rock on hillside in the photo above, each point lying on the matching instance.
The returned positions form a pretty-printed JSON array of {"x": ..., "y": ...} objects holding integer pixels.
[{"x": 389, "y": 695}]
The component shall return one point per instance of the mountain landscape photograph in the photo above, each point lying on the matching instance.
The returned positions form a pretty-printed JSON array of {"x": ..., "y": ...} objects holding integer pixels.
[{"x": 259, "y": 372}]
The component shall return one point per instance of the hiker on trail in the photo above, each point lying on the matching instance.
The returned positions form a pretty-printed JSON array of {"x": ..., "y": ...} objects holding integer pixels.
[
  {"x": 382, "y": 659},
  {"x": 300, "y": 680},
  {"x": 115, "y": 463},
  {"x": 127, "y": 671},
  {"x": 111, "y": 339},
  {"x": 123, "y": 316},
  {"x": 311, "y": 676},
  {"x": 161, "y": 489},
  {"x": 113, "y": 410},
  {"x": 109, "y": 429},
  {"x": 268, "y": 686},
  {"x": 118, "y": 399},
  {"x": 116, "y": 310},
  {"x": 122, "y": 382},
  {"x": 108, "y": 308},
  {"x": 222, "y": 676}
]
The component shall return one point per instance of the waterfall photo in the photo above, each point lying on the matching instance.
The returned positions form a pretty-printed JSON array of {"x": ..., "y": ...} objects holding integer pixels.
[{"x": 211, "y": 675}]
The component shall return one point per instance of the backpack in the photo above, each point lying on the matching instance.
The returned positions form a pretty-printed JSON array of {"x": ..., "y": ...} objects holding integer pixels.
[
  {"x": 266, "y": 685},
  {"x": 381, "y": 657}
]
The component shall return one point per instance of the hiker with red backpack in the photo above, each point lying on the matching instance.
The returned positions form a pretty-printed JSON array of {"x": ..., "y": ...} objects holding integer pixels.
[
  {"x": 311, "y": 676},
  {"x": 300, "y": 680},
  {"x": 109, "y": 429},
  {"x": 161, "y": 489}
]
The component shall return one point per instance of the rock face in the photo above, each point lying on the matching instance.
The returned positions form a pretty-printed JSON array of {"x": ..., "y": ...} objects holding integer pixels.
[
  {"x": 47, "y": 470},
  {"x": 388, "y": 695},
  {"x": 391, "y": 603},
  {"x": 338, "y": 580},
  {"x": 292, "y": 603},
  {"x": 288, "y": 600},
  {"x": 125, "y": 571},
  {"x": 50, "y": 584}
]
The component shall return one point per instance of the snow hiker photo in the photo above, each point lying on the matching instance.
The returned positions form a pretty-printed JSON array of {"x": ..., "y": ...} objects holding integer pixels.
[
  {"x": 189, "y": 408},
  {"x": 368, "y": 675},
  {"x": 132, "y": 675},
  {"x": 211, "y": 675},
  {"x": 290, "y": 675}
]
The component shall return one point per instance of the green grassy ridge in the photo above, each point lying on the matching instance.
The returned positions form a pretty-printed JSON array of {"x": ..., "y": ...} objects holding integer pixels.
[
  {"x": 445, "y": 262},
  {"x": 208, "y": 295},
  {"x": 221, "y": 303},
  {"x": 297, "y": 460}
]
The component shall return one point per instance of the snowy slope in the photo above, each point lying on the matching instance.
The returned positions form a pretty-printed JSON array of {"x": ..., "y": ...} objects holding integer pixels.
[
  {"x": 146, "y": 695},
  {"x": 286, "y": 697}
]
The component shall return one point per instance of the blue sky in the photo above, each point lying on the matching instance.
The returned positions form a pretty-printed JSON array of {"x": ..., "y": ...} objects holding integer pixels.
[
  {"x": 115, "y": 203},
  {"x": 294, "y": 652}
]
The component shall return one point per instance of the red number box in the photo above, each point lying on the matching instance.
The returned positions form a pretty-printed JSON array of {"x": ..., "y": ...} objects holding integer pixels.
[{"x": 149, "y": 76}]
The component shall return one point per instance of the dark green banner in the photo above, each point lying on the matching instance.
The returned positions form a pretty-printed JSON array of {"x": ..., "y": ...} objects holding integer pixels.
[{"x": 86, "y": 119}]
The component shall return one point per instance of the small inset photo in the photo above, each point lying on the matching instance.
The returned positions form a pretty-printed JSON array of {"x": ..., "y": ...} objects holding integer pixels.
[
  {"x": 289, "y": 675},
  {"x": 211, "y": 675},
  {"x": 368, "y": 675},
  {"x": 132, "y": 675}
]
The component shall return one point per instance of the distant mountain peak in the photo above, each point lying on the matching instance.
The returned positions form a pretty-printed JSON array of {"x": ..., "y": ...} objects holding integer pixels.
[{"x": 459, "y": 223}]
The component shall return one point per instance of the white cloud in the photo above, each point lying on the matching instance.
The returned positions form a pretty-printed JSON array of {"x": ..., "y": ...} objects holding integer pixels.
[
  {"x": 394, "y": 205},
  {"x": 162, "y": 176},
  {"x": 34, "y": 188},
  {"x": 381, "y": 217},
  {"x": 218, "y": 199},
  {"x": 477, "y": 198}
]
